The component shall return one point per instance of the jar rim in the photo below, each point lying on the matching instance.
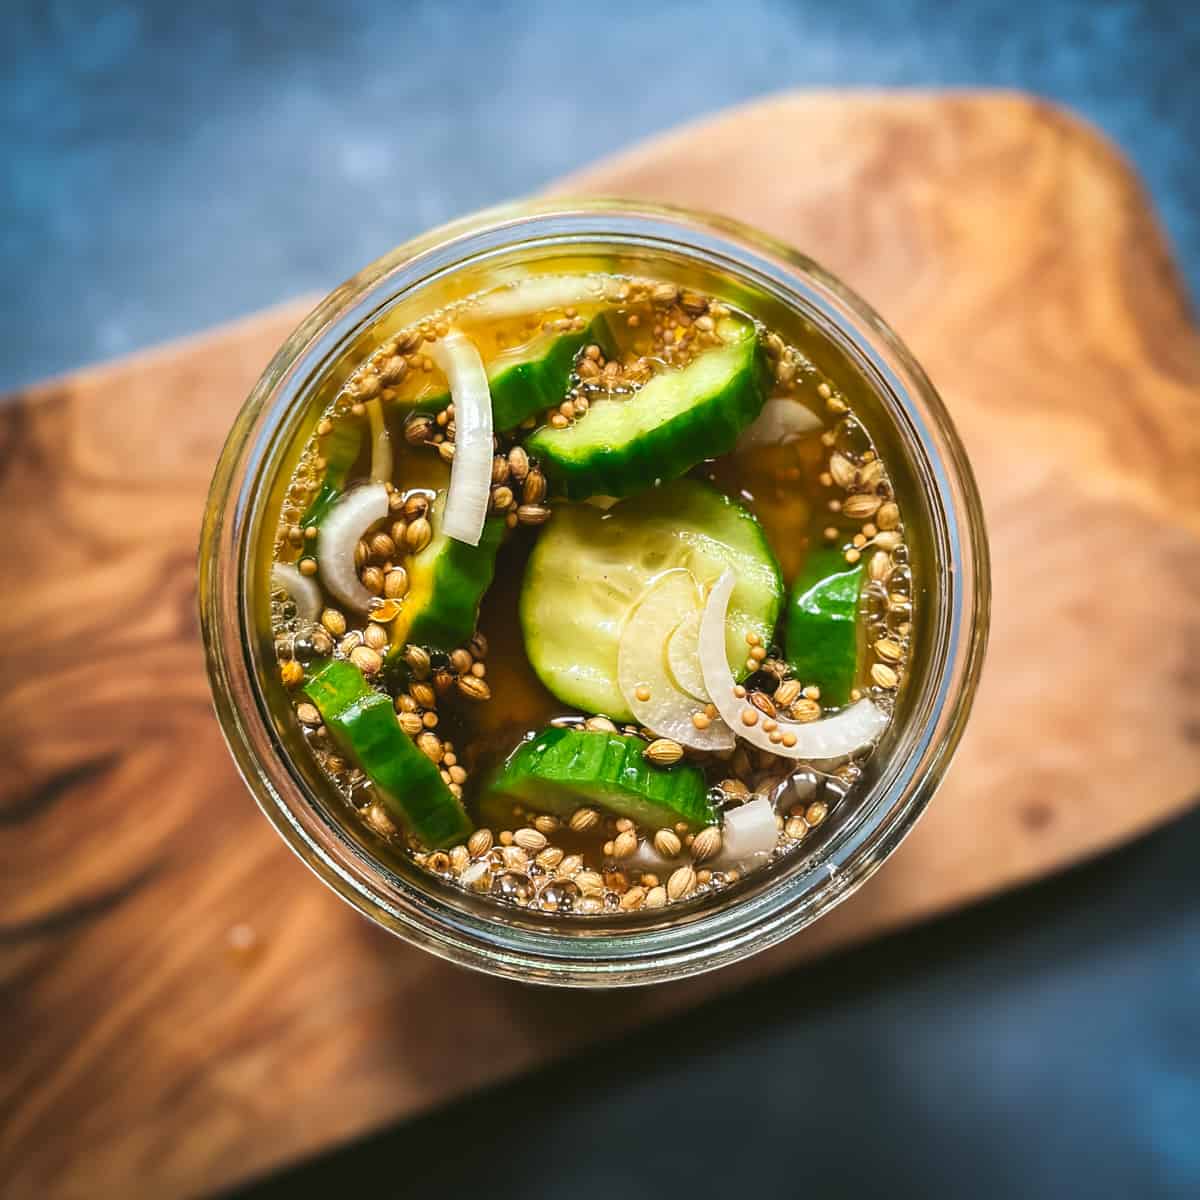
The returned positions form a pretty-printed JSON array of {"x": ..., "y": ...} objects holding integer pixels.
[{"x": 776, "y": 908}]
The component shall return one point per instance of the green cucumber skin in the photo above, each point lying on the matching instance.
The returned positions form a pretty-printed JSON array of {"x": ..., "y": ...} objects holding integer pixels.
[
  {"x": 363, "y": 723},
  {"x": 344, "y": 445},
  {"x": 578, "y": 464},
  {"x": 821, "y": 635},
  {"x": 527, "y": 389},
  {"x": 462, "y": 575},
  {"x": 560, "y": 768}
]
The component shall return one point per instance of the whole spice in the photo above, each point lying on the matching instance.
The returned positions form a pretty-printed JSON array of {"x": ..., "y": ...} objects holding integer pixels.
[
  {"x": 530, "y": 839},
  {"x": 842, "y": 470},
  {"x": 474, "y": 688},
  {"x": 888, "y": 516},
  {"x": 395, "y": 583},
  {"x": 518, "y": 463},
  {"x": 706, "y": 843},
  {"x": 479, "y": 843},
  {"x": 423, "y": 694},
  {"x": 416, "y": 505},
  {"x": 533, "y": 491},
  {"x": 375, "y": 637},
  {"x": 663, "y": 752},
  {"x": 418, "y": 535},
  {"x": 417, "y": 660},
  {"x": 533, "y": 514},
  {"x": 884, "y": 676},
  {"x": 418, "y": 429},
  {"x": 888, "y": 650},
  {"x": 787, "y": 693},
  {"x": 590, "y": 883},
  {"x": 411, "y": 723},
  {"x": 624, "y": 844},
  {"x": 861, "y": 505},
  {"x": 667, "y": 843},
  {"x": 334, "y": 622},
  {"x": 582, "y": 819},
  {"x": 681, "y": 882},
  {"x": 368, "y": 661},
  {"x": 430, "y": 745}
]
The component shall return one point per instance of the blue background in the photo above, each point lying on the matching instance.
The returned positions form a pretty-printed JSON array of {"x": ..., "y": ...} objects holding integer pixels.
[{"x": 165, "y": 167}]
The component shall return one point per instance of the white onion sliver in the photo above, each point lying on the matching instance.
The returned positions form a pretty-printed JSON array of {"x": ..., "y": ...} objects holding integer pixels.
[
  {"x": 349, "y": 518},
  {"x": 381, "y": 443},
  {"x": 683, "y": 656},
  {"x": 779, "y": 420},
  {"x": 305, "y": 594},
  {"x": 535, "y": 295},
  {"x": 830, "y": 737},
  {"x": 641, "y": 664},
  {"x": 748, "y": 834},
  {"x": 471, "y": 471}
]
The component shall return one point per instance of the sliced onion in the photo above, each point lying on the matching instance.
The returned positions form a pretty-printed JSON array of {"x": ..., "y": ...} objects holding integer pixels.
[
  {"x": 305, "y": 594},
  {"x": 642, "y": 665},
  {"x": 831, "y": 737},
  {"x": 748, "y": 834},
  {"x": 781, "y": 420},
  {"x": 381, "y": 443},
  {"x": 647, "y": 858},
  {"x": 471, "y": 471},
  {"x": 536, "y": 294},
  {"x": 683, "y": 656},
  {"x": 345, "y": 523}
]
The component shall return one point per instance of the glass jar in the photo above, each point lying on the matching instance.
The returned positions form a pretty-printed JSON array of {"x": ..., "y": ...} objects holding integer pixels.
[{"x": 947, "y": 544}]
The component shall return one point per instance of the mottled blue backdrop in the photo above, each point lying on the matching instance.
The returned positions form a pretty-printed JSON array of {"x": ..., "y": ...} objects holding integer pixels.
[{"x": 167, "y": 166}]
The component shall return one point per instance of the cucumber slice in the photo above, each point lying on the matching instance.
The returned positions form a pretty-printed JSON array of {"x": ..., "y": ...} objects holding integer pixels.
[
  {"x": 409, "y": 785},
  {"x": 446, "y": 582},
  {"x": 676, "y": 420},
  {"x": 560, "y": 769},
  {"x": 822, "y": 625},
  {"x": 529, "y": 379},
  {"x": 589, "y": 567},
  {"x": 339, "y": 450}
]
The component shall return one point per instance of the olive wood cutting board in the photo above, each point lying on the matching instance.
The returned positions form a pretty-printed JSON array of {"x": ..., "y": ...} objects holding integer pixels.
[{"x": 184, "y": 1006}]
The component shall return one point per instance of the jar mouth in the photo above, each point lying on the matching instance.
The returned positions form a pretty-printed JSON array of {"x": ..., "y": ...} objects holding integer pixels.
[{"x": 770, "y": 903}]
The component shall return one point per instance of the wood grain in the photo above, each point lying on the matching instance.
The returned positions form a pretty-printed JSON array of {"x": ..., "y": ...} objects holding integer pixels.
[{"x": 146, "y": 1055}]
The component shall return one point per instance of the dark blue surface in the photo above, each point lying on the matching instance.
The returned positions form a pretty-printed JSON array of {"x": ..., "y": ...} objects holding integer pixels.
[{"x": 165, "y": 167}]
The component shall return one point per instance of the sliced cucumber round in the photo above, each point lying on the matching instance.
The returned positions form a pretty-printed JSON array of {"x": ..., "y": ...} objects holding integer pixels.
[
  {"x": 822, "y": 624},
  {"x": 408, "y": 784},
  {"x": 561, "y": 769},
  {"x": 446, "y": 582},
  {"x": 527, "y": 380},
  {"x": 676, "y": 420},
  {"x": 590, "y": 567},
  {"x": 339, "y": 449}
]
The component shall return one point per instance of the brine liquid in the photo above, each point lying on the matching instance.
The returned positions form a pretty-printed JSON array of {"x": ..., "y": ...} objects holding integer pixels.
[{"x": 798, "y": 487}]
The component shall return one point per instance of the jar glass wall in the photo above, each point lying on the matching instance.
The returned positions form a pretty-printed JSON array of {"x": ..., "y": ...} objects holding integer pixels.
[{"x": 946, "y": 542}]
